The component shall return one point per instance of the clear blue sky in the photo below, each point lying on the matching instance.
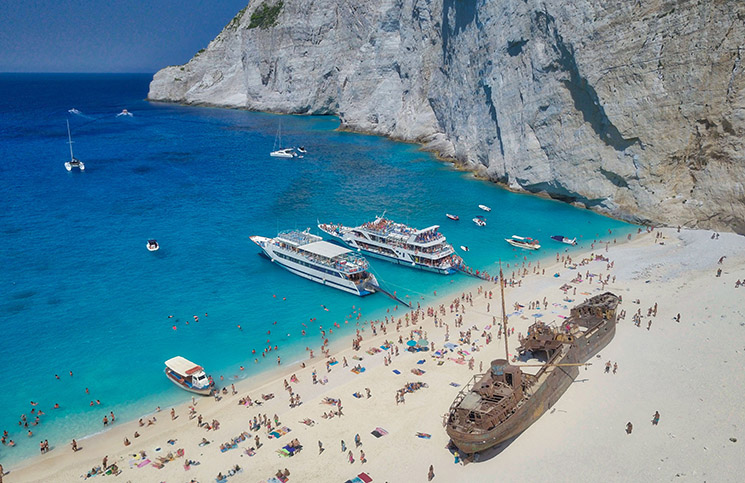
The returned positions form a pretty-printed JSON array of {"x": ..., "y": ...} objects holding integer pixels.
[{"x": 107, "y": 35}]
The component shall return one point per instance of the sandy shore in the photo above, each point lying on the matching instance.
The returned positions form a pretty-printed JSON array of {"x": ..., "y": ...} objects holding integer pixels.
[{"x": 690, "y": 371}]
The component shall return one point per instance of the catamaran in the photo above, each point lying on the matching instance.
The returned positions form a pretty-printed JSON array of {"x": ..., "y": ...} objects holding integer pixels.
[
  {"x": 281, "y": 152},
  {"x": 426, "y": 249},
  {"x": 74, "y": 162},
  {"x": 309, "y": 256}
]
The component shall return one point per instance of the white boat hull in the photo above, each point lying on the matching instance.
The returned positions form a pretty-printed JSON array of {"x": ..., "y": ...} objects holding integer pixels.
[
  {"x": 402, "y": 258},
  {"x": 334, "y": 279},
  {"x": 205, "y": 391}
]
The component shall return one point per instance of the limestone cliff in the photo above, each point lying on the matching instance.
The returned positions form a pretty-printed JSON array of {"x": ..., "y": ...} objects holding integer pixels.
[{"x": 633, "y": 108}]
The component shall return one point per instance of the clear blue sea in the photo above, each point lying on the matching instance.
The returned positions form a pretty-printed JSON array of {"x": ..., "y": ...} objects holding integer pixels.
[{"x": 79, "y": 291}]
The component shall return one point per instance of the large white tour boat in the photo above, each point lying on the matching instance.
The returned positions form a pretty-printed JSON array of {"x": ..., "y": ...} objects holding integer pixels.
[
  {"x": 395, "y": 242},
  {"x": 187, "y": 375},
  {"x": 309, "y": 256}
]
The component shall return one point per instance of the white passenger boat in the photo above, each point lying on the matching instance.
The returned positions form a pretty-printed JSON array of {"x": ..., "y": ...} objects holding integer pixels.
[
  {"x": 74, "y": 162},
  {"x": 484, "y": 207},
  {"x": 426, "y": 249},
  {"x": 523, "y": 242},
  {"x": 309, "y": 256},
  {"x": 187, "y": 375}
]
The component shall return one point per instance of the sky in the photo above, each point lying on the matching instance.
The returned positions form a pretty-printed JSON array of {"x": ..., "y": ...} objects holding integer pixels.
[{"x": 107, "y": 35}]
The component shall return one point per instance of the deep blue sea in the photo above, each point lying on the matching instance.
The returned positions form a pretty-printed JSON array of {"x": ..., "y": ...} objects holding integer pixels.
[{"x": 79, "y": 291}]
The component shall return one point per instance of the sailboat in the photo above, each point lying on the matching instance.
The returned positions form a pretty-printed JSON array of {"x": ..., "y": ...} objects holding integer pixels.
[
  {"x": 281, "y": 152},
  {"x": 74, "y": 162}
]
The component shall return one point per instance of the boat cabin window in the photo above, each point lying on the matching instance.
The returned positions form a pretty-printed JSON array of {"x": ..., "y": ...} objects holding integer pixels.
[{"x": 508, "y": 378}]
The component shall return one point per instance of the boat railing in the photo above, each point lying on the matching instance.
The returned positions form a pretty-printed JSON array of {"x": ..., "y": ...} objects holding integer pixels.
[{"x": 346, "y": 263}]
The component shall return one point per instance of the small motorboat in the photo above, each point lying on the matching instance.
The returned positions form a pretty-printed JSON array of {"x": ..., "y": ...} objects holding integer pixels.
[
  {"x": 124, "y": 113},
  {"x": 563, "y": 239},
  {"x": 188, "y": 376},
  {"x": 452, "y": 217},
  {"x": 301, "y": 150},
  {"x": 152, "y": 245},
  {"x": 464, "y": 248},
  {"x": 480, "y": 220},
  {"x": 484, "y": 207},
  {"x": 523, "y": 242}
]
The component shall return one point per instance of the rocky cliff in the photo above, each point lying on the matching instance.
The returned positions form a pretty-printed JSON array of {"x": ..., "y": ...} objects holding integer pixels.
[{"x": 634, "y": 108}]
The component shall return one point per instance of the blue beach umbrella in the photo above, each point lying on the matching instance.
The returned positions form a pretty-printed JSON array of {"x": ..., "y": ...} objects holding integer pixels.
[{"x": 411, "y": 343}]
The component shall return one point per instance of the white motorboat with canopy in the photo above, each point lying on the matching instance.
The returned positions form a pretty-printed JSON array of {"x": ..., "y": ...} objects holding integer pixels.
[{"x": 187, "y": 375}]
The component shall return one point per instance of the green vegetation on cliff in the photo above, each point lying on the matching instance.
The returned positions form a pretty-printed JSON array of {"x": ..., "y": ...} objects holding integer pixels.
[{"x": 265, "y": 16}]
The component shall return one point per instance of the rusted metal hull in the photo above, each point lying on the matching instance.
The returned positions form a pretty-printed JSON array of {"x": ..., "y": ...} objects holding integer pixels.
[{"x": 540, "y": 397}]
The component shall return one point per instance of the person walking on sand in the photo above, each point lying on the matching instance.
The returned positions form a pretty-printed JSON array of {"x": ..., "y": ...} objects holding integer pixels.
[
  {"x": 343, "y": 446},
  {"x": 607, "y": 367},
  {"x": 320, "y": 447},
  {"x": 351, "y": 457},
  {"x": 74, "y": 445},
  {"x": 629, "y": 427},
  {"x": 615, "y": 367},
  {"x": 431, "y": 473},
  {"x": 363, "y": 460},
  {"x": 656, "y": 418}
]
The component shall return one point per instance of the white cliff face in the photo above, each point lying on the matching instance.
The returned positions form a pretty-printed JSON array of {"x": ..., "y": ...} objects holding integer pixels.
[{"x": 633, "y": 108}]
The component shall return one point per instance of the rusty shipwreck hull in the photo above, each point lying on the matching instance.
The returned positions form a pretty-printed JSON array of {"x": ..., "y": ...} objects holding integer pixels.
[{"x": 549, "y": 385}]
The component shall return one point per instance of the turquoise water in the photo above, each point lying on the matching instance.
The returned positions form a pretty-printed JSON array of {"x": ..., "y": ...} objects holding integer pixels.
[{"x": 80, "y": 292}]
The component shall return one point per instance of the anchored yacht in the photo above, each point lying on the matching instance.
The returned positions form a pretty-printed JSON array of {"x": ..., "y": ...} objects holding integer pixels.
[
  {"x": 426, "y": 249},
  {"x": 309, "y": 256}
]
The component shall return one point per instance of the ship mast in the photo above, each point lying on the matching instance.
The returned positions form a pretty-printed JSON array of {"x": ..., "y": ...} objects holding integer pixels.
[{"x": 504, "y": 314}]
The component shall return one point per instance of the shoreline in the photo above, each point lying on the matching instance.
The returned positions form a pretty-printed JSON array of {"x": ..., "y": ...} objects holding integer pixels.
[
  {"x": 67, "y": 464},
  {"x": 341, "y": 344}
]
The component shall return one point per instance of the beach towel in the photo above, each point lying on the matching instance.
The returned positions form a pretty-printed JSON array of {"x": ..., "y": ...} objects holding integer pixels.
[
  {"x": 418, "y": 372},
  {"x": 333, "y": 363},
  {"x": 396, "y": 371},
  {"x": 143, "y": 463},
  {"x": 455, "y": 384},
  {"x": 284, "y": 452},
  {"x": 274, "y": 434},
  {"x": 423, "y": 435},
  {"x": 421, "y": 361},
  {"x": 379, "y": 432},
  {"x": 365, "y": 477}
]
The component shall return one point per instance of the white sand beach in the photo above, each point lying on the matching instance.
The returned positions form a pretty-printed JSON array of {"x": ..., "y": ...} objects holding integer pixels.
[{"x": 690, "y": 371}]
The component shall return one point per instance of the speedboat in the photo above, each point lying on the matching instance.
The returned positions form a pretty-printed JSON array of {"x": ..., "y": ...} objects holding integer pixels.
[
  {"x": 152, "y": 245},
  {"x": 426, "y": 248},
  {"x": 452, "y": 217},
  {"x": 124, "y": 113},
  {"x": 464, "y": 248},
  {"x": 523, "y": 242},
  {"x": 309, "y": 256},
  {"x": 74, "y": 162},
  {"x": 480, "y": 220},
  {"x": 188, "y": 376},
  {"x": 484, "y": 207},
  {"x": 563, "y": 239},
  {"x": 301, "y": 150}
]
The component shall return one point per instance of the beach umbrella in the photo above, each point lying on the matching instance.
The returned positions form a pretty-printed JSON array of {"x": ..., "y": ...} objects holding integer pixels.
[
  {"x": 422, "y": 342},
  {"x": 411, "y": 343},
  {"x": 450, "y": 345}
]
